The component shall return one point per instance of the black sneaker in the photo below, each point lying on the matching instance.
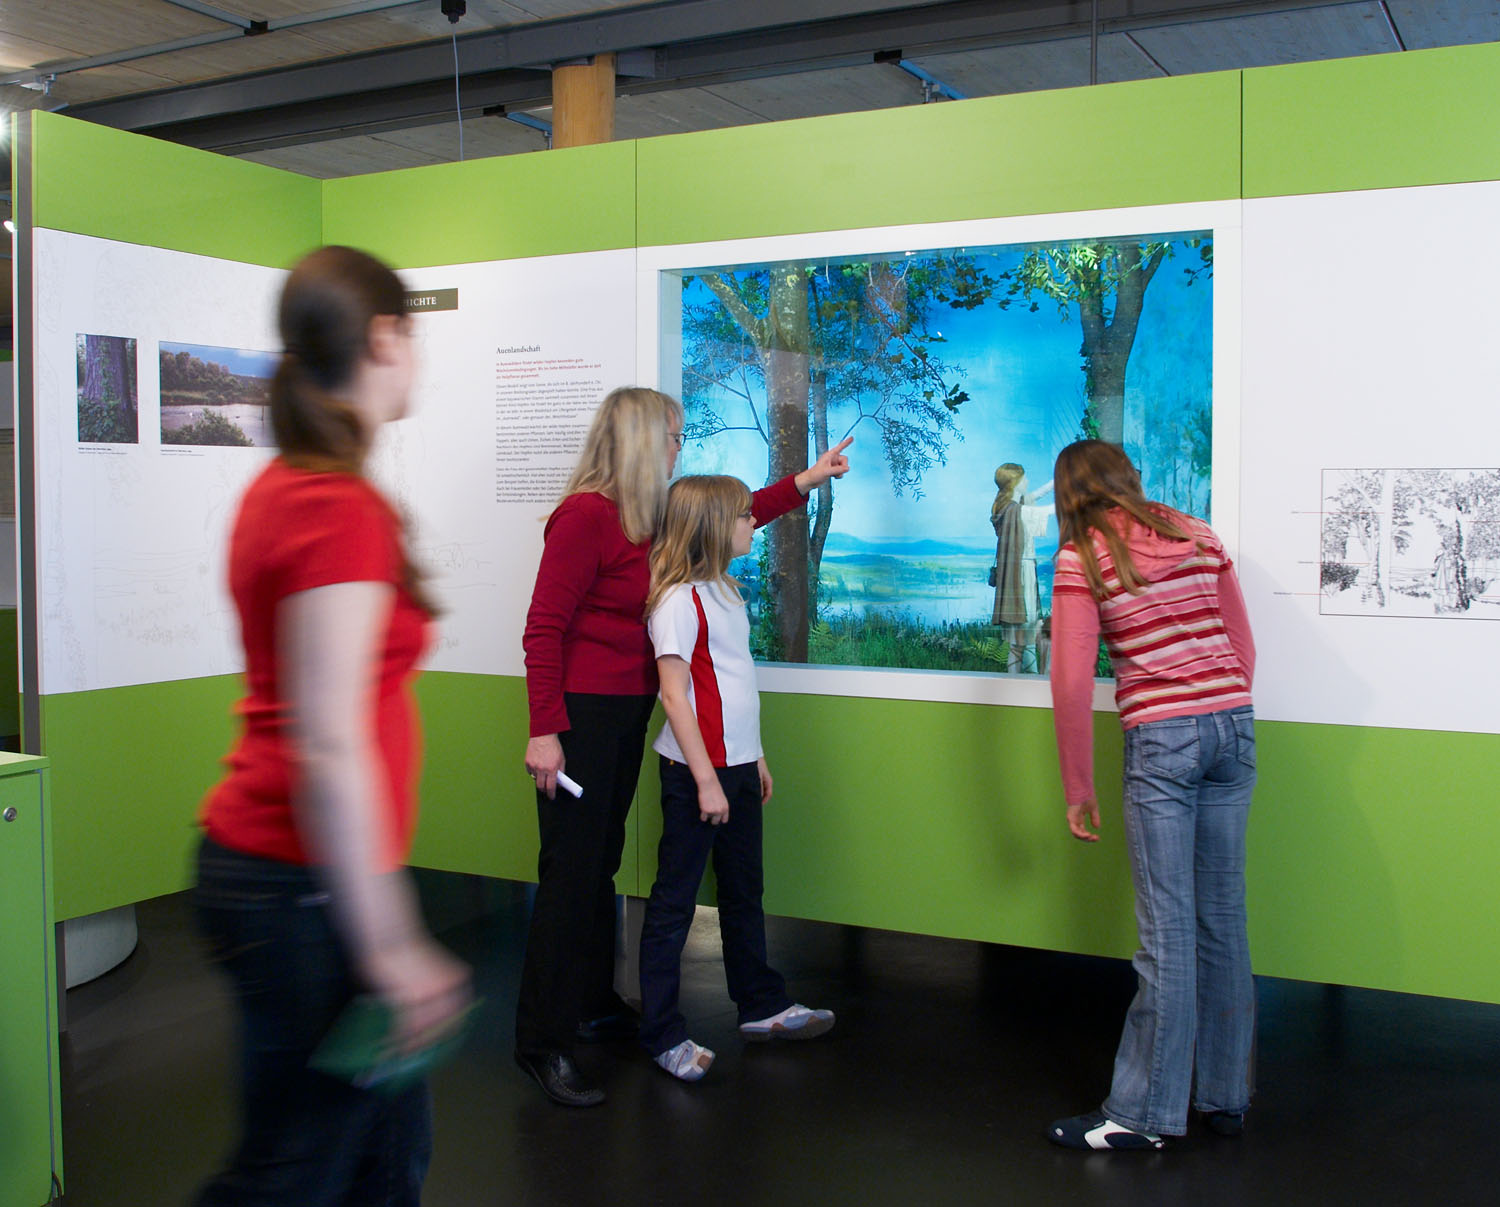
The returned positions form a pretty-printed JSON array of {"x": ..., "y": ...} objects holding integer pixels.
[
  {"x": 1095, "y": 1132},
  {"x": 1226, "y": 1123}
]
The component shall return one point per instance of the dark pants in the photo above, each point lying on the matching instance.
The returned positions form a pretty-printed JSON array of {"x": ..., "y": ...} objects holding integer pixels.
[
  {"x": 757, "y": 989},
  {"x": 569, "y": 971},
  {"x": 307, "y": 1138}
]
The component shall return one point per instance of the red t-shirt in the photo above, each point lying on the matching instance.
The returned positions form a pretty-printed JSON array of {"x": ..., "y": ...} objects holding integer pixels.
[{"x": 297, "y": 530}]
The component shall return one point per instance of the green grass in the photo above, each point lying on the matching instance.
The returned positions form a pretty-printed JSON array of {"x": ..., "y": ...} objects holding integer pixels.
[{"x": 903, "y": 640}]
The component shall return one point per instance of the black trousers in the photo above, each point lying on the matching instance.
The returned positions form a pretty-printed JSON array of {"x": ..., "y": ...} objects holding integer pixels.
[
  {"x": 569, "y": 971},
  {"x": 686, "y": 842}
]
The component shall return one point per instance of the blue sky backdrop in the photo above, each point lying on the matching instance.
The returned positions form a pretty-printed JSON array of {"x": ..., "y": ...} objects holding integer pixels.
[{"x": 241, "y": 361}]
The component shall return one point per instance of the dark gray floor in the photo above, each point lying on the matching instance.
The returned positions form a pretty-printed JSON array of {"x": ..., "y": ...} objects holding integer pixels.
[{"x": 948, "y": 1061}]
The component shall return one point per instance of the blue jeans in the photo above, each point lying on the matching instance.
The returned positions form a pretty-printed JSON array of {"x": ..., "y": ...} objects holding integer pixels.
[
  {"x": 1188, "y": 782},
  {"x": 757, "y": 989},
  {"x": 306, "y": 1137}
]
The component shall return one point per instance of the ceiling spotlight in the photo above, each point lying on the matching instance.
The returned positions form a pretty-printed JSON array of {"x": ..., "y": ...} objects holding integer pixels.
[{"x": 454, "y": 9}]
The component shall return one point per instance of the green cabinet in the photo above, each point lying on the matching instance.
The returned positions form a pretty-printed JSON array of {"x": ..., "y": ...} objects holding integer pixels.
[{"x": 30, "y": 1116}]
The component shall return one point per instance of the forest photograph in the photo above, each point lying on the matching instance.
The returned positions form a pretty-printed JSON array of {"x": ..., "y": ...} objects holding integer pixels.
[
  {"x": 108, "y": 395},
  {"x": 960, "y": 373},
  {"x": 212, "y": 395}
]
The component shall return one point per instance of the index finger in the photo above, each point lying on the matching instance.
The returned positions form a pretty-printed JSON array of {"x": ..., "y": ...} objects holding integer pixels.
[{"x": 842, "y": 445}]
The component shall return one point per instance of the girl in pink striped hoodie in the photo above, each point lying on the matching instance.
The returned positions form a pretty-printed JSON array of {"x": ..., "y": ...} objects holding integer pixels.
[{"x": 1159, "y": 588}]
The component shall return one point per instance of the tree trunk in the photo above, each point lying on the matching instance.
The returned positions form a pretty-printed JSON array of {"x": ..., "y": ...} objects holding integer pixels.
[
  {"x": 786, "y": 362},
  {"x": 1104, "y": 379},
  {"x": 95, "y": 375},
  {"x": 124, "y": 379},
  {"x": 1107, "y": 343},
  {"x": 824, "y": 516}
]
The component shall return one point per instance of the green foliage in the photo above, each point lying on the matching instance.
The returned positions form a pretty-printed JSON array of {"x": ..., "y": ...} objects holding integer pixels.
[
  {"x": 873, "y": 349},
  {"x": 903, "y": 640},
  {"x": 105, "y": 423},
  {"x": 992, "y": 650},
  {"x": 209, "y": 428},
  {"x": 186, "y": 379},
  {"x": 765, "y": 634}
]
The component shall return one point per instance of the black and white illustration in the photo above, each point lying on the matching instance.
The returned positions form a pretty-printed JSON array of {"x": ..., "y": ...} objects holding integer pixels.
[{"x": 1411, "y": 542}]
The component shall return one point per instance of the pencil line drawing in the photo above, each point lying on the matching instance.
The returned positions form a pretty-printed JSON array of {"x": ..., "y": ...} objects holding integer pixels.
[{"x": 1411, "y": 542}]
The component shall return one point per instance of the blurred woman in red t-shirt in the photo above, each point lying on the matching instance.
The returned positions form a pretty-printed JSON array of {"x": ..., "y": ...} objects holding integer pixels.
[{"x": 300, "y": 887}]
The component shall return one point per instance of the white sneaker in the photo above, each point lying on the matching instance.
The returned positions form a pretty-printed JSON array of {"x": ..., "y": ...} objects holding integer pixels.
[
  {"x": 687, "y": 1061},
  {"x": 795, "y": 1022}
]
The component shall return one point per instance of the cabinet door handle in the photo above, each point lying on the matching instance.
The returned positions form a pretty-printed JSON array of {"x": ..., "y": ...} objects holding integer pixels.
[{"x": 9, "y": 814}]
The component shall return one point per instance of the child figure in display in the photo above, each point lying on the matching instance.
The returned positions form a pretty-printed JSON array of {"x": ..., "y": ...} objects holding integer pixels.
[
  {"x": 1018, "y": 522},
  {"x": 714, "y": 780}
]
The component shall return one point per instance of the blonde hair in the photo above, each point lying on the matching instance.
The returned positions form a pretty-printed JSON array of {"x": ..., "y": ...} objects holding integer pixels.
[
  {"x": 1092, "y": 477},
  {"x": 1007, "y": 478},
  {"x": 696, "y": 540},
  {"x": 626, "y": 456}
]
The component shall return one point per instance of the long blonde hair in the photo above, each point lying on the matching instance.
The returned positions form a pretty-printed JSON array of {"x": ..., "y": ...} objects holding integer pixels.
[
  {"x": 1007, "y": 478},
  {"x": 1091, "y": 478},
  {"x": 696, "y": 540},
  {"x": 626, "y": 456}
]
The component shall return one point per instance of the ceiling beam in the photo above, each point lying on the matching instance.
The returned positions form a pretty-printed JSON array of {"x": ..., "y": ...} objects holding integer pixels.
[{"x": 684, "y": 43}]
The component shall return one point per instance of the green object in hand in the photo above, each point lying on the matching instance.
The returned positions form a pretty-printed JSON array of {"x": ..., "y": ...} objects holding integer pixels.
[{"x": 360, "y": 1047}]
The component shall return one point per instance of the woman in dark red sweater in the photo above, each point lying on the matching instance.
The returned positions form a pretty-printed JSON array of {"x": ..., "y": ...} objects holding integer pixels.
[
  {"x": 300, "y": 888},
  {"x": 591, "y": 685}
]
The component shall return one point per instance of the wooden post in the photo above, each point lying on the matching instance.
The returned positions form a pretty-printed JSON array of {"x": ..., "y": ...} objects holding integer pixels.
[{"x": 583, "y": 102}]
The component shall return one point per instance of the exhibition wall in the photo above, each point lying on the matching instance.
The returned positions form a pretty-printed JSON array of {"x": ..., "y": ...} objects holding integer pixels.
[{"x": 904, "y": 801}]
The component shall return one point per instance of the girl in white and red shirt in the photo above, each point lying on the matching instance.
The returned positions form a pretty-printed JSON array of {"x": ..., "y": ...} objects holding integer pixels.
[
  {"x": 1159, "y": 588},
  {"x": 714, "y": 779}
]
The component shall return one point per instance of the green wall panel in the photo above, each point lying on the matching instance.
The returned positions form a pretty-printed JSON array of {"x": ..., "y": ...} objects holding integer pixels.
[
  {"x": 933, "y": 818},
  {"x": 938, "y": 818},
  {"x": 1371, "y": 859},
  {"x": 1141, "y": 143},
  {"x": 92, "y": 180},
  {"x": 478, "y": 806},
  {"x": 1385, "y": 121},
  {"x": 129, "y": 768},
  {"x": 505, "y": 207}
]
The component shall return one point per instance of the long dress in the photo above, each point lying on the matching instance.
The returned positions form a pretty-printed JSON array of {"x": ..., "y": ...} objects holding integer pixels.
[{"x": 1017, "y": 527}]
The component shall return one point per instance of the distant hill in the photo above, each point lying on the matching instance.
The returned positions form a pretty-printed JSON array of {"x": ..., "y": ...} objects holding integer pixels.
[{"x": 842, "y": 542}]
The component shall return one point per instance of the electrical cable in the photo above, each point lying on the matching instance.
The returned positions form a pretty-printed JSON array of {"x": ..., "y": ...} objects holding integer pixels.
[{"x": 457, "y": 102}]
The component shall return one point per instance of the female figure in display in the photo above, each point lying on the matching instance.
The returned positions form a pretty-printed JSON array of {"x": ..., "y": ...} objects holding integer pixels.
[
  {"x": 591, "y": 685},
  {"x": 1018, "y": 522},
  {"x": 1161, "y": 590},
  {"x": 300, "y": 890}
]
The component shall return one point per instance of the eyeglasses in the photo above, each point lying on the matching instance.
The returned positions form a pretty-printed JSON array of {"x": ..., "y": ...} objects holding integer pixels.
[{"x": 676, "y": 438}]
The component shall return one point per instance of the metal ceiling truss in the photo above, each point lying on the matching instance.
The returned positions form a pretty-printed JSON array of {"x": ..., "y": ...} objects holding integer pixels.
[{"x": 687, "y": 43}]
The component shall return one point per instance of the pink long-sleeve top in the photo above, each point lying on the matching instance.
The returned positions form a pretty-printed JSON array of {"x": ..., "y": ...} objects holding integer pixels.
[
  {"x": 585, "y": 630},
  {"x": 1180, "y": 648}
]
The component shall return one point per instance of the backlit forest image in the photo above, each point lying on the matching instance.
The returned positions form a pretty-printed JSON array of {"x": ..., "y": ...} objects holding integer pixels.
[
  {"x": 960, "y": 373},
  {"x": 212, "y": 395}
]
